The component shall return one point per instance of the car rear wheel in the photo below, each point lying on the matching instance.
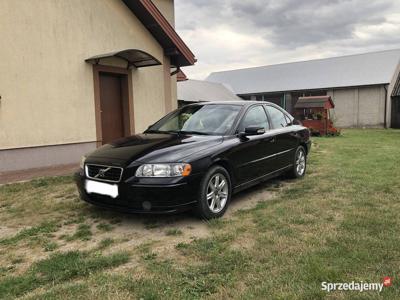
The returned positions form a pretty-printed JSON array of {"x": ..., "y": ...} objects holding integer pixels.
[
  {"x": 215, "y": 193},
  {"x": 299, "y": 164}
]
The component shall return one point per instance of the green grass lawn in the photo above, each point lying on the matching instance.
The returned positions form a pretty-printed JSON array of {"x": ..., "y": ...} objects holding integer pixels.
[{"x": 341, "y": 223}]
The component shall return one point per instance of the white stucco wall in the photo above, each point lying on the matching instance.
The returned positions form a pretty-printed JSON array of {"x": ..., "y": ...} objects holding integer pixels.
[
  {"x": 47, "y": 88},
  {"x": 174, "y": 93},
  {"x": 167, "y": 9}
]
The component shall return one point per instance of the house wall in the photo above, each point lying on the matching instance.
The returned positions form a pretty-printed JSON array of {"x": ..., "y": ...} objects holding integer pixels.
[
  {"x": 359, "y": 107},
  {"x": 167, "y": 8},
  {"x": 46, "y": 87},
  {"x": 174, "y": 92}
]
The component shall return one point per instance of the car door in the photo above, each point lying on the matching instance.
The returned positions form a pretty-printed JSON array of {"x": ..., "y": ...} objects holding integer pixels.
[
  {"x": 286, "y": 140},
  {"x": 250, "y": 155}
]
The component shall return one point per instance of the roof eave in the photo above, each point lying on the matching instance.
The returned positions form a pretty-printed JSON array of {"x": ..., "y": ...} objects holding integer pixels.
[
  {"x": 311, "y": 89},
  {"x": 163, "y": 32}
]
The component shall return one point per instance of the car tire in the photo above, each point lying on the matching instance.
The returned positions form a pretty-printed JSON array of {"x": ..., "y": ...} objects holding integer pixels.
[
  {"x": 299, "y": 163},
  {"x": 214, "y": 195}
]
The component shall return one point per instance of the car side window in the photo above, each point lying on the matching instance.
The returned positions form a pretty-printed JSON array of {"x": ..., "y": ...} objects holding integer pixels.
[
  {"x": 288, "y": 120},
  {"x": 278, "y": 118},
  {"x": 255, "y": 117}
]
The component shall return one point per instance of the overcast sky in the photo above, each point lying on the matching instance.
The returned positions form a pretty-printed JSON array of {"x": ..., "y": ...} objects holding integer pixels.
[{"x": 232, "y": 34}]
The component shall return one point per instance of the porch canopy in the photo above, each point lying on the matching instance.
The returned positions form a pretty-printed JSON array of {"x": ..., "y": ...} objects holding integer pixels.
[{"x": 134, "y": 58}]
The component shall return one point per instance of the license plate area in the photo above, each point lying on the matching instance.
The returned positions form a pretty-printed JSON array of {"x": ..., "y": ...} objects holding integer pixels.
[{"x": 101, "y": 188}]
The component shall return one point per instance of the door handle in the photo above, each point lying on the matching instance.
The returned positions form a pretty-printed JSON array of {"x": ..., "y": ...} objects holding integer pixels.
[{"x": 272, "y": 140}]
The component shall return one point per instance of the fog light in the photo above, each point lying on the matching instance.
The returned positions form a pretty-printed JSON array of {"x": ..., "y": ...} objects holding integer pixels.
[{"x": 146, "y": 205}]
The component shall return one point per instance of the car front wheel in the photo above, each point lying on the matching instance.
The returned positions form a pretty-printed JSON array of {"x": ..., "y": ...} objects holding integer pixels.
[{"x": 215, "y": 193}]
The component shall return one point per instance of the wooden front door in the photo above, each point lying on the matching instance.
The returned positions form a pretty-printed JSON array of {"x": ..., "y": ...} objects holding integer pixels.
[{"x": 111, "y": 107}]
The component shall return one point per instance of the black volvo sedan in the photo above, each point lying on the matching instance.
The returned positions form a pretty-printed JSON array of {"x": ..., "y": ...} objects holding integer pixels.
[{"x": 195, "y": 158}]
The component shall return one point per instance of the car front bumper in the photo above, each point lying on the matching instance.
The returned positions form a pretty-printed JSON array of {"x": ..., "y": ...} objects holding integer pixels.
[{"x": 135, "y": 197}]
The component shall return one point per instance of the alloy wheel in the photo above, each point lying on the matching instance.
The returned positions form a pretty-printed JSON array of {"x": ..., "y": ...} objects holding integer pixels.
[
  {"x": 217, "y": 193},
  {"x": 300, "y": 162}
]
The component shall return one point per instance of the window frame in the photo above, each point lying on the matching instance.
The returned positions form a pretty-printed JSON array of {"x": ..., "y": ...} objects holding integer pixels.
[
  {"x": 285, "y": 113},
  {"x": 245, "y": 114}
]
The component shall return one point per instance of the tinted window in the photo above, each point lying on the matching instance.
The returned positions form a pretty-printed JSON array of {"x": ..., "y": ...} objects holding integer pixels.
[
  {"x": 288, "y": 120},
  {"x": 204, "y": 119},
  {"x": 255, "y": 117},
  {"x": 278, "y": 119}
]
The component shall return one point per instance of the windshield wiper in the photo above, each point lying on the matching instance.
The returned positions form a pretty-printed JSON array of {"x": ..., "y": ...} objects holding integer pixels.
[
  {"x": 161, "y": 131},
  {"x": 192, "y": 132},
  {"x": 177, "y": 132}
]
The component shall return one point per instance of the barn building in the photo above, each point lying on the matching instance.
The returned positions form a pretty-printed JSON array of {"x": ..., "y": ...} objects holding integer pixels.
[{"x": 365, "y": 87}]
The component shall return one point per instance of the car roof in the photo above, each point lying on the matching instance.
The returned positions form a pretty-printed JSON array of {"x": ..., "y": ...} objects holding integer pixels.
[
  {"x": 238, "y": 102},
  {"x": 243, "y": 103}
]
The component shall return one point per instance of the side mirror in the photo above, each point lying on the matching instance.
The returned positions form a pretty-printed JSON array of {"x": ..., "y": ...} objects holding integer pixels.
[
  {"x": 254, "y": 130},
  {"x": 249, "y": 131}
]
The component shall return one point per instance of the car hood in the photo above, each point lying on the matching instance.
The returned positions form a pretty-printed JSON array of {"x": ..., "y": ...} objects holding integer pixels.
[{"x": 155, "y": 148}]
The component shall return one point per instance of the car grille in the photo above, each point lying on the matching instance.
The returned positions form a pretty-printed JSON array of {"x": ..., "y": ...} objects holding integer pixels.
[{"x": 103, "y": 173}]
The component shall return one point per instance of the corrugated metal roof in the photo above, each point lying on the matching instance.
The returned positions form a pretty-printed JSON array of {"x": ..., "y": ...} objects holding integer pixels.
[
  {"x": 353, "y": 70},
  {"x": 199, "y": 90}
]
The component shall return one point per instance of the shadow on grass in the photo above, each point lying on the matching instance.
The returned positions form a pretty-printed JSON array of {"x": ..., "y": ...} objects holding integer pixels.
[{"x": 242, "y": 200}]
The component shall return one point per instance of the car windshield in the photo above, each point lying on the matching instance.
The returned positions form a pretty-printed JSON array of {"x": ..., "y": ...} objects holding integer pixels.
[{"x": 211, "y": 119}]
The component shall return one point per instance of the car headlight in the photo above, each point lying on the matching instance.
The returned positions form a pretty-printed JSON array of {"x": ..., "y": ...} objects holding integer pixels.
[
  {"x": 82, "y": 164},
  {"x": 164, "y": 170}
]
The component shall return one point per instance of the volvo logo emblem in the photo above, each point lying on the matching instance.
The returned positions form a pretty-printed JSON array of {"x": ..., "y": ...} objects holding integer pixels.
[{"x": 102, "y": 173}]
